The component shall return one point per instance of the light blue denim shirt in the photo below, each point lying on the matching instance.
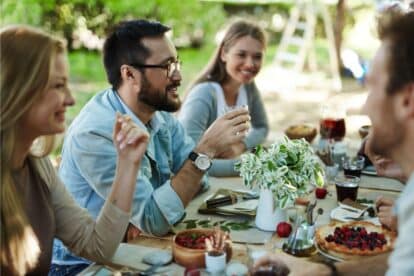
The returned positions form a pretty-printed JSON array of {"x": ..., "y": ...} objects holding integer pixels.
[{"x": 89, "y": 162}]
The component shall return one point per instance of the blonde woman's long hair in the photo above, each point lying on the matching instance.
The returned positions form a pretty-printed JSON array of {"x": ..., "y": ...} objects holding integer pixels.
[
  {"x": 215, "y": 70},
  {"x": 26, "y": 60}
]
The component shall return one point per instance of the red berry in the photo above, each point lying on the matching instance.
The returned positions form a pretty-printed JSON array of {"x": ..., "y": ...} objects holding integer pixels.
[
  {"x": 321, "y": 193},
  {"x": 283, "y": 229}
]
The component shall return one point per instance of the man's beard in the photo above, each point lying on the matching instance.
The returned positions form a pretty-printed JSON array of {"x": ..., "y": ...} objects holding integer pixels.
[
  {"x": 385, "y": 144},
  {"x": 158, "y": 99}
]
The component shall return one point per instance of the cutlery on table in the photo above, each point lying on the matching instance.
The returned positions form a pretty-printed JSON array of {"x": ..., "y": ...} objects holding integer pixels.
[{"x": 229, "y": 200}]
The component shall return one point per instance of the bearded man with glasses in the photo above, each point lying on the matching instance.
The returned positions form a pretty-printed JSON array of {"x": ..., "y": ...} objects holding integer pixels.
[{"x": 143, "y": 68}]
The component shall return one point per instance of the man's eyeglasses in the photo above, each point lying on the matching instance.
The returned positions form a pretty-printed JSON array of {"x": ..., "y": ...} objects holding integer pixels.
[{"x": 170, "y": 67}]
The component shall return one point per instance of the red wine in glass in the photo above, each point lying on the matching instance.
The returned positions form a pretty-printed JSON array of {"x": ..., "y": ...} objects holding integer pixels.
[{"x": 331, "y": 128}]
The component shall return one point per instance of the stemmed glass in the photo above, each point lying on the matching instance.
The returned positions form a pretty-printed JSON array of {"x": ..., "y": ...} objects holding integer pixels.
[{"x": 332, "y": 123}]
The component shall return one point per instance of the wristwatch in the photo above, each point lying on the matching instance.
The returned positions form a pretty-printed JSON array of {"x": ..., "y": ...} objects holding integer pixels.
[{"x": 200, "y": 160}]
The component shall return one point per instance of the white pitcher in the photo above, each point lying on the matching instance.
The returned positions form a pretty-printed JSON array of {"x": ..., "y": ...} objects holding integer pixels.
[{"x": 267, "y": 217}]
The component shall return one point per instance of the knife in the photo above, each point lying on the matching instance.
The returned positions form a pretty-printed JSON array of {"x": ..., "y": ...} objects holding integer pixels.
[{"x": 229, "y": 200}]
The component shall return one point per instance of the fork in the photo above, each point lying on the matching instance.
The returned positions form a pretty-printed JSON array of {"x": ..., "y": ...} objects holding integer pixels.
[
  {"x": 368, "y": 210},
  {"x": 356, "y": 219}
]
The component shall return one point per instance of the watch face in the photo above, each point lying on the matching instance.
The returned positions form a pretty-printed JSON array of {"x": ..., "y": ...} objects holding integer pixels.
[{"x": 203, "y": 162}]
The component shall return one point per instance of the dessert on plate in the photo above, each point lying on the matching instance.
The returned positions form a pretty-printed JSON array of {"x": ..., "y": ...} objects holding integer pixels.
[{"x": 354, "y": 240}]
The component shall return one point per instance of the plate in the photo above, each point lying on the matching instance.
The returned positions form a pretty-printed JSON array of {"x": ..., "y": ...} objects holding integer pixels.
[
  {"x": 340, "y": 214},
  {"x": 370, "y": 170},
  {"x": 327, "y": 255}
]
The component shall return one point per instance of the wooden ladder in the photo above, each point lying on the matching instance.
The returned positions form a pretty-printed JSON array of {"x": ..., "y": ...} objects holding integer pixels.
[{"x": 298, "y": 40}]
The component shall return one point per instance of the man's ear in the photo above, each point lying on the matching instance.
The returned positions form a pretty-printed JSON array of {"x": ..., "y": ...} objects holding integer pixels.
[
  {"x": 223, "y": 55},
  {"x": 130, "y": 77},
  {"x": 404, "y": 104},
  {"x": 406, "y": 101}
]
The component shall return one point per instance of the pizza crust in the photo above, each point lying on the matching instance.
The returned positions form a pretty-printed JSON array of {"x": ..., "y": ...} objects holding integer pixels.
[{"x": 345, "y": 253}]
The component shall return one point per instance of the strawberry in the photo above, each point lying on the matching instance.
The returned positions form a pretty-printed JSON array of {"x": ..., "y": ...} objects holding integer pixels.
[
  {"x": 283, "y": 229},
  {"x": 320, "y": 193}
]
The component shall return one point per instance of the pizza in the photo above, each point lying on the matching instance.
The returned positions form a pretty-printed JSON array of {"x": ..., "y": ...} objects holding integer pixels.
[{"x": 353, "y": 240}]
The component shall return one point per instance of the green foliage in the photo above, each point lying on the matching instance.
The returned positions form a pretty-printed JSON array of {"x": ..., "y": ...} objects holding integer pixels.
[
  {"x": 286, "y": 168},
  {"x": 24, "y": 11},
  {"x": 223, "y": 224},
  {"x": 86, "y": 66},
  {"x": 190, "y": 21}
]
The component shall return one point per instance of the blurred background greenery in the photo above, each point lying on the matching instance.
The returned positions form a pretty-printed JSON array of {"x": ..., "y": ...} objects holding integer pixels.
[{"x": 84, "y": 23}]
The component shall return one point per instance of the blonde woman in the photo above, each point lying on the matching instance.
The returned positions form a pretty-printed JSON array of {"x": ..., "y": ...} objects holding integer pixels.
[
  {"x": 35, "y": 206},
  {"x": 226, "y": 82}
]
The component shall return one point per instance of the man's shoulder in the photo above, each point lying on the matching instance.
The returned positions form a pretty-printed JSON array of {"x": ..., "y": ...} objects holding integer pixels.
[
  {"x": 100, "y": 103},
  {"x": 98, "y": 113}
]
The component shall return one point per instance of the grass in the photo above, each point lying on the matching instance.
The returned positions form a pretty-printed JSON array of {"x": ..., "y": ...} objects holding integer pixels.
[{"x": 86, "y": 66}]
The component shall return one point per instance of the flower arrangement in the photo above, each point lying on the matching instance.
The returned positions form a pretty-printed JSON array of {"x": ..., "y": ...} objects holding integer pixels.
[{"x": 286, "y": 168}]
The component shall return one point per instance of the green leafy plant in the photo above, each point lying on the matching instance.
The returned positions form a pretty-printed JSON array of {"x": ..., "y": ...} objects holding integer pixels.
[
  {"x": 286, "y": 168},
  {"x": 223, "y": 224}
]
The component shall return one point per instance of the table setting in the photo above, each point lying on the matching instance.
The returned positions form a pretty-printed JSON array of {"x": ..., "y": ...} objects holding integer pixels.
[{"x": 286, "y": 199}]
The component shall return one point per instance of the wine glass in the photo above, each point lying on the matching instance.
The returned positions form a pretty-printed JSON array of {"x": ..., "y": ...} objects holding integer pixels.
[{"x": 332, "y": 123}]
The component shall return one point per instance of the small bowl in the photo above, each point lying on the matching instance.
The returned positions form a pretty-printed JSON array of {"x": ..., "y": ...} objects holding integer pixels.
[
  {"x": 301, "y": 131},
  {"x": 363, "y": 131},
  {"x": 190, "y": 257}
]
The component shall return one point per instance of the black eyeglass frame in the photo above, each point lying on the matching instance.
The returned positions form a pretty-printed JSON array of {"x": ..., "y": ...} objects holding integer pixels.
[{"x": 170, "y": 66}]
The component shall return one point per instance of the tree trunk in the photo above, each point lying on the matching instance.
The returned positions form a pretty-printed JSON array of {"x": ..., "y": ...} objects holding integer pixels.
[{"x": 339, "y": 27}]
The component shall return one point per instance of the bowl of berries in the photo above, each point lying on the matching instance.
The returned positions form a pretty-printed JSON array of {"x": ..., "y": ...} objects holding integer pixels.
[{"x": 189, "y": 246}]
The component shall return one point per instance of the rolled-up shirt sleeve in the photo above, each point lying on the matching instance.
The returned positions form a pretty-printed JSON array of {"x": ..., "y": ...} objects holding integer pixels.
[
  {"x": 95, "y": 156},
  {"x": 169, "y": 205}
]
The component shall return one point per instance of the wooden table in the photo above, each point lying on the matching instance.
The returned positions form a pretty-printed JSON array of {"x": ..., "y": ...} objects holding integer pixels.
[{"x": 254, "y": 238}]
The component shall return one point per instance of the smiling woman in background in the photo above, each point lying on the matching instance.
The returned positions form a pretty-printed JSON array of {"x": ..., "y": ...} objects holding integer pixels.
[
  {"x": 35, "y": 206},
  {"x": 226, "y": 82}
]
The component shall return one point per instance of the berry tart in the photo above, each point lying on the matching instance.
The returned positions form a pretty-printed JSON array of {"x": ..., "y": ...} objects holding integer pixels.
[{"x": 348, "y": 241}]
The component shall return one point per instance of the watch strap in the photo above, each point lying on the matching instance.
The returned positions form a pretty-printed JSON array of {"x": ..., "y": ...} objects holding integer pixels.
[{"x": 193, "y": 156}]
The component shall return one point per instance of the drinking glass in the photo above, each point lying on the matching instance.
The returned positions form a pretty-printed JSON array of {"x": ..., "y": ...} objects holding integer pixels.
[
  {"x": 331, "y": 172},
  {"x": 353, "y": 165},
  {"x": 332, "y": 123},
  {"x": 215, "y": 263},
  {"x": 347, "y": 187},
  {"x": 235, "y": 107}
]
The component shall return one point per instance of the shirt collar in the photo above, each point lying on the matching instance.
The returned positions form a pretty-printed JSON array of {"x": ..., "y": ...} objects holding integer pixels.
[{"x": 156, "y": 122}]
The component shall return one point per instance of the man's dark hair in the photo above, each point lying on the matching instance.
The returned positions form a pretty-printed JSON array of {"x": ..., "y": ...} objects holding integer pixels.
[
  {"x": 396, "y": 26},
  {"x": 123, "y": 46}
]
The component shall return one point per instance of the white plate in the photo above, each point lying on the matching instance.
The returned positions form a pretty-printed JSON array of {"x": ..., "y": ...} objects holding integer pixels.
[{"x": 340, "y": 214}]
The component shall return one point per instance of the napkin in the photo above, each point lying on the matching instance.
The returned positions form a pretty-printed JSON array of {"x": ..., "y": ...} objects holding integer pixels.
[{"x": 353, "y": 206}]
